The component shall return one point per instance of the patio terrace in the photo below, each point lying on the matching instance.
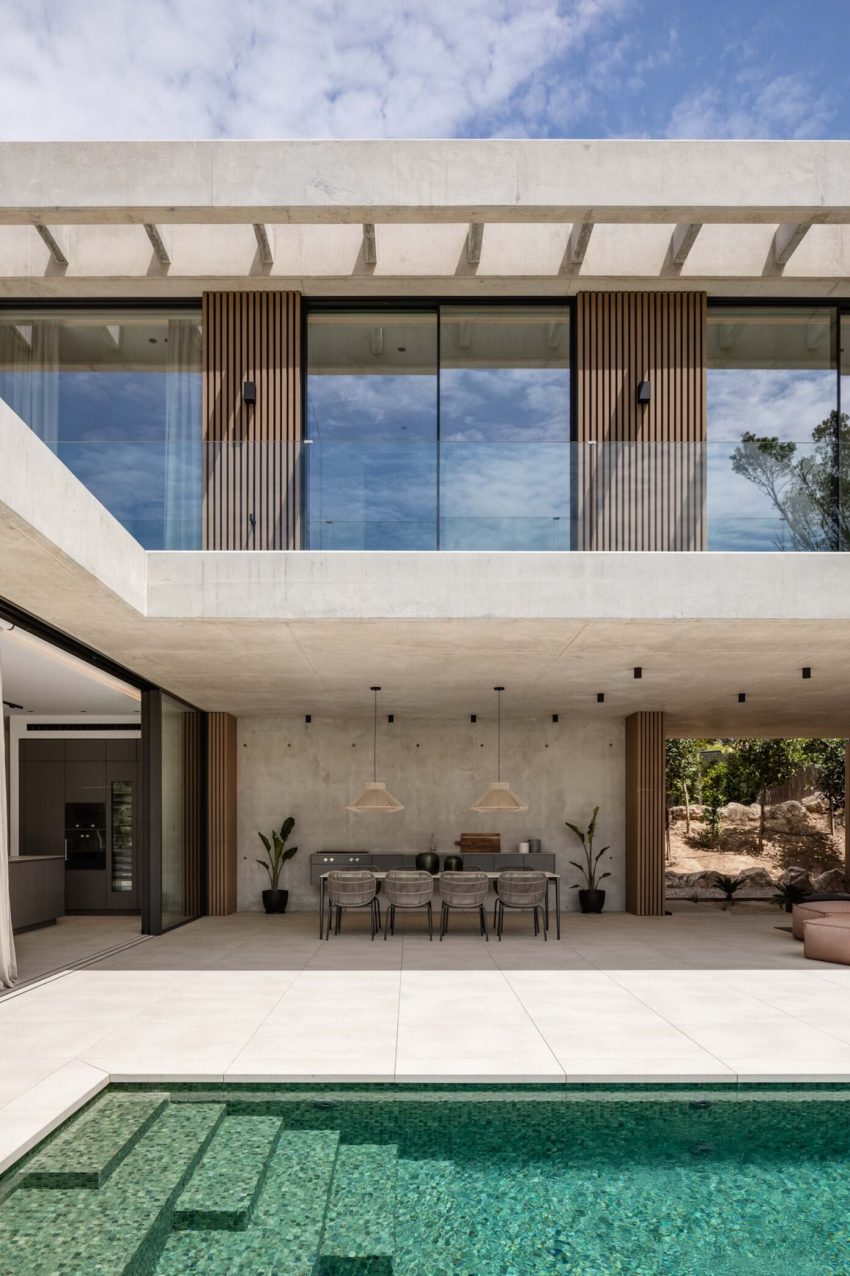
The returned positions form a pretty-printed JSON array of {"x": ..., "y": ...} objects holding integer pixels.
[{"x": 699, "y": 996}]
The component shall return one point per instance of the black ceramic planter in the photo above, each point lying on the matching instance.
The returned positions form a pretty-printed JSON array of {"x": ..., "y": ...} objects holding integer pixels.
[
  {"x": 275, "y": 901},
  {"x": 428, "y": 862},
  {"x": 591, "y": 901},
  {"x": 453, "y": 864}
]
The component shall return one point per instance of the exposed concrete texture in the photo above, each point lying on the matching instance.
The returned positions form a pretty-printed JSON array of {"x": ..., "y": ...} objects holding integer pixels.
[
  {"x": 45, "y": 507},
  {"x": 412, "y": 181},
  {"x": 437, "y": 769},
  {"x": 577, "y": 586},
  {"x": 314, "y": 198}
]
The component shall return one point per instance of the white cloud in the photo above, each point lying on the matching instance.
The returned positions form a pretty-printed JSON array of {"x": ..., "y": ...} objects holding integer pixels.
[
  {"x": 752, "y": 104},
  {"x": 325, "y": 68}
]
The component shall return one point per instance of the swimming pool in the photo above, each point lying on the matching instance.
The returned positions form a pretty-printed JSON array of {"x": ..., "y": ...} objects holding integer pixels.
[{"x": 438, "y": 1181}]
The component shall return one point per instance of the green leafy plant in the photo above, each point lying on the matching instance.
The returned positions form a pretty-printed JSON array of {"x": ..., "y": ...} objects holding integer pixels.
[
  {"x": 277, "y": 852},
  {"x": 728, "y": 884},
  {"x": 590, "y": 868},
  {"x": 714, "y": 796}
]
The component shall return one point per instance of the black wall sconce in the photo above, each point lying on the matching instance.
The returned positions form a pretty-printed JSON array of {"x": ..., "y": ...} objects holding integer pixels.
[
  {"x": 473, "y": 717},
  {"x": 390, "y": 717},
  {"x": 807, "y": 671},
  {"x": 644, "y": 391},
  {"x": 600, "y": 697},
  {"x": 249, "y": 392},
  {"x": 742, "y": 697},
  {"x": 554, "y": 717},
  {"x": 638, "y": 671},
  {"x": 308, "y": 718}
]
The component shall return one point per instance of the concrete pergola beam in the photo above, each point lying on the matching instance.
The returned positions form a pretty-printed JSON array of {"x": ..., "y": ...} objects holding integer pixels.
[
  {"x": 370, "y": 247},
  {"x": 787, "y": 240},
  {"x": 577, "y": 246},
  {"x": 264, "y": 248},
  {"x": 474, "y": 240},
  {"x": 158, "y": 244},
  {"x": 682, "y": 241},
  {"x": 56, "y": 243},
  {"x": 503, "y": 180}
]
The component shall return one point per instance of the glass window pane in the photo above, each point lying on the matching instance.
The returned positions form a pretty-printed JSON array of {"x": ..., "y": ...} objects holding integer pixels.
[
  {"x": 504, "y": 427},
  {"x": 116, "y": 394},
  {"x": 772, "y": 418},
  {"x": 372, "y": 426},
  {"x": 180, "y": 872}
]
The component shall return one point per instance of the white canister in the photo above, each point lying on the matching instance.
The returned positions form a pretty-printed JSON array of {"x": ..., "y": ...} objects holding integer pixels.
[{"x": 523, "y": 848}]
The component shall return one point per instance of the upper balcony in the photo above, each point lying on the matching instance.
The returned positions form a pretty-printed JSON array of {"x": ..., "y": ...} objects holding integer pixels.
[{"x": 425, "y": 427}]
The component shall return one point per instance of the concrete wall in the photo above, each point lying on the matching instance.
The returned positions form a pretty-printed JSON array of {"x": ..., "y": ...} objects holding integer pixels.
[{"x": 437, "y": 769}]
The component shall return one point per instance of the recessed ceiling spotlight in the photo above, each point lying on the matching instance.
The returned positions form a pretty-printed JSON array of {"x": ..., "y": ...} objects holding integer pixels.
[
  {"x": 473, "y": 717},
  {"x": 554, "y": 717},
  {"x": 638, "y": 671},
  {"x": 807, "y": 671},
  {"x": 600, "y": 697},
  {"x": 742, "y": 697}
]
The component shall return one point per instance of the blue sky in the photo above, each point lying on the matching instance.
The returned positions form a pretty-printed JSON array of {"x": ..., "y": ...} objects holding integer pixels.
[{"x": 487, "y": 68}]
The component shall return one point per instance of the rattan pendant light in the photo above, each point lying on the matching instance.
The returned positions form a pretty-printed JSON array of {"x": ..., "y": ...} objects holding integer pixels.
[
  {"x": 375, "y": 797},
  {"x": 499, "y": 797}
]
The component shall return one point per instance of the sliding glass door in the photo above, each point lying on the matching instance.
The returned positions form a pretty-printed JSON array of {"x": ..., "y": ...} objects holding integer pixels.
[{"x": 173, "y": 738}]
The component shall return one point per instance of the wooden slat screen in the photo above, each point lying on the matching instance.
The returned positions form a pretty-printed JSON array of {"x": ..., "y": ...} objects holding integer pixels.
[
  {"x": 221, "y": 814},
  {"x": 641, "y": 468},
  {"x": 252, "y": 452},
  {"x": 645, "y": 796}
]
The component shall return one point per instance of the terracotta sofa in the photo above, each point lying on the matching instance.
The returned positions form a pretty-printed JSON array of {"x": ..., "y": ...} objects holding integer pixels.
[
  {"x": 813, "y": 909},
  {"x": 828, "y": 939}
]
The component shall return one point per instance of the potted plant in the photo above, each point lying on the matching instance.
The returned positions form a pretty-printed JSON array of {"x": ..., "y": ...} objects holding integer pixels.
[
  {"x": 277, "y": 853},
  {"x": 591, "y": 898}
]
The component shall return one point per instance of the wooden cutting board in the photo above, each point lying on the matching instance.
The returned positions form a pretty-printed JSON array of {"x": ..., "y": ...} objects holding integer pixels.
[{"x": 480, "y": 843}]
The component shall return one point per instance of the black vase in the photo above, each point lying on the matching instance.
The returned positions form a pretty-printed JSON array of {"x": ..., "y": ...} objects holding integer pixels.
[
  {"x": 591, "y": 901},
  {"x": 275, "y": 901},
  {"x": 453, "y": 864},
  {"x": 428, "y": 862}
]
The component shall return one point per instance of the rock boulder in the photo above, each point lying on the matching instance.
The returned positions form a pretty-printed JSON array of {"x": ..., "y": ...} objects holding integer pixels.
[{"x": 788, "y": 817}]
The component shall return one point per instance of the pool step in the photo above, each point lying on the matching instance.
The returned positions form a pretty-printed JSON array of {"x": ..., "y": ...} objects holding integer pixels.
[
  {"x": 359, "y": 1231},
  {"x": 87, "y": 1153},
  {"x": 426, "y": 1229},
  {"x": 282, "y": 1237},
  {"x": 118, "y": 1229},
  {"x": 224, "y": 1188}
]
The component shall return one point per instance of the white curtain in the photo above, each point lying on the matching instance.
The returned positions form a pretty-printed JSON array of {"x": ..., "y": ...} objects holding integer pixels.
[
  {"x": 29, "y": 375},
  {"x": 8, "y": 965},
  {"x": 183, "y": 436}
]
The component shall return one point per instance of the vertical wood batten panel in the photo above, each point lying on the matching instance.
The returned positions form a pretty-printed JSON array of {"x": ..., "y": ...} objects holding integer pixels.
[
  {"x": 645, "y": 786},
  {"x": 641, "y": 468},
  {"x": 221, "y": 814},
  {"x": 251, "y": 466}
]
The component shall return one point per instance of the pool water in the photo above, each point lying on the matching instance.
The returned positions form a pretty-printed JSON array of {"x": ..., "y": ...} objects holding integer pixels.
[{"x": 437, "y": 1182}]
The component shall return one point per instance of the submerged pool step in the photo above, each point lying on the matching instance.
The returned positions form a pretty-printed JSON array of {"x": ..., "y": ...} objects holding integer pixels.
[
  {"x": 87, "y": 1153},
  {"x": 118, "y": 1229},
  {"x": 427, "y": 1206},
  {"x": 283, "y": 1235},
  {"x": 224, "y": 1188},
  {"x": 359, "y": 1232}
]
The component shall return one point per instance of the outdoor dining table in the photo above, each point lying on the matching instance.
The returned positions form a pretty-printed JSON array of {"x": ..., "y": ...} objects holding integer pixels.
[{"x": 552, "y": 880}]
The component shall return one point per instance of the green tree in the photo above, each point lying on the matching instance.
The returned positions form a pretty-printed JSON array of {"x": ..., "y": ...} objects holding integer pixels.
[
  {"x": 714, "y": 795},
  {"x": 810, "y": 491},
  {"x": 828, "y": 756},
  {"x": 762, "y": 763},
  {"x": 683, "y": 771}
]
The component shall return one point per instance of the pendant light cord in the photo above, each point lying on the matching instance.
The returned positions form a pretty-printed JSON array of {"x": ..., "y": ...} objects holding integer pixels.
[{"x": 499, "y": 736}]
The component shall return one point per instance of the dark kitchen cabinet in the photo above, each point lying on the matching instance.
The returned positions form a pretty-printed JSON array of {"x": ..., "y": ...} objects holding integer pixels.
[{"x": 42, "y": 807}]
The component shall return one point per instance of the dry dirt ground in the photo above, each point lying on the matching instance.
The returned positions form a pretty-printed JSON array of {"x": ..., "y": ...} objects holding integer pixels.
[{"x": 816, "y": 851}]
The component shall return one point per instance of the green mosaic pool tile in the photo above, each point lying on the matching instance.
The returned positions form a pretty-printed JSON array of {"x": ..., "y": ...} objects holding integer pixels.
[
  {"x": 282, "y": 1238},
  {"x": 223, "y": 1189},
  {"x": 360, "y": 1222},
  {"x": 115, "y": 1230},
  {"x": 87, "y": 1153}
]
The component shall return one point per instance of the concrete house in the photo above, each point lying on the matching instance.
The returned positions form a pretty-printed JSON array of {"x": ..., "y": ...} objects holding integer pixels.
[{"x": 283, "y": 422}]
